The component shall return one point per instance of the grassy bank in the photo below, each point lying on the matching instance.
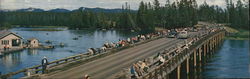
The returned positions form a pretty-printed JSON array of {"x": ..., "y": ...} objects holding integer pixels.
[{"x": 237, "y": 34}]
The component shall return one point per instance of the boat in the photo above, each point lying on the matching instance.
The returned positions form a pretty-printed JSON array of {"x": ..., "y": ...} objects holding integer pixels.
[
  {"x": 49, "y": 47},
  {"x": 75, "y": 38},
  {"x": 48, "y": 41},
  {"x": 62, "y": 44}
]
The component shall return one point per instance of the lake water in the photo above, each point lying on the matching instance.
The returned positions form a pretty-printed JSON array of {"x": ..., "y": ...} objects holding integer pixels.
[
  {"x": 87, "y": 38},
  {"x": 232, "y": 60}
]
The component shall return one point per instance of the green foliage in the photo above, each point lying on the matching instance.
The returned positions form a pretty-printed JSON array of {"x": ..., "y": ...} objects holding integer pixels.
[
  {"x": 235, "y": 14},
  {"x": 183, "y": 13}
]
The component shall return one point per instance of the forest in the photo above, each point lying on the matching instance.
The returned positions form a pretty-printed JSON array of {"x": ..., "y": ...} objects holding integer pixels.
[{"x": 183, "y": 13}]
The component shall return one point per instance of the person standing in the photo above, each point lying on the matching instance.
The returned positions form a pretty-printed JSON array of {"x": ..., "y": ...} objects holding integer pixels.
[{"x": 44, "y": 64}]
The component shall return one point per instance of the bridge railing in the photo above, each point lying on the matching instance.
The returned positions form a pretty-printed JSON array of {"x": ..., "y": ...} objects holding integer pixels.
[
  {"x": 173, "y": 62},
  {"x": 80, "y": 57}
]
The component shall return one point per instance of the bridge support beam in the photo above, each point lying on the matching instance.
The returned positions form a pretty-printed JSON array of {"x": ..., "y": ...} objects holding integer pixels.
[
  {"x": 210, "y": 47},
  {"x": 195, "y": 58},
  {"x": 187, "y": 66},
  {"x": 200, "y": 54},
  {"x": 179, "y": 72},
  {"x": 205, "y": 49},
  {"x": 215, "y": 41},
  {"x": 214, "y": 44}
]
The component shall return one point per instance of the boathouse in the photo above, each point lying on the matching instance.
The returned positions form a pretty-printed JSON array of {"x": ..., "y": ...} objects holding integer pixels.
[
  {"x": 33, "y": 43},
  {"x": 9, "y": 40}
]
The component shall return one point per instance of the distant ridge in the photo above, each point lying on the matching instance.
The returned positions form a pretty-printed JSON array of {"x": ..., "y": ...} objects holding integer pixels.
[
  {"x": 30, "y": 10},
  {"x": 58, "y": 10},
  {"x": 66, "y": 10}
]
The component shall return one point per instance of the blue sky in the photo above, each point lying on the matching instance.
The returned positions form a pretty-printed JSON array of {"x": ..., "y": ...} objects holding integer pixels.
[{"x": 74, "y": 4}]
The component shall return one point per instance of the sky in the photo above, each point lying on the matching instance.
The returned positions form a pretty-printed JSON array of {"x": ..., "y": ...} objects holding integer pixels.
[{"x": 74, "y": 4}]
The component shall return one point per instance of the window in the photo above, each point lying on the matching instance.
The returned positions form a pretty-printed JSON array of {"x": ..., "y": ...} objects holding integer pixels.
[
  {"x": 16, "y": 42},
  {"x": 5, "y": 42}
]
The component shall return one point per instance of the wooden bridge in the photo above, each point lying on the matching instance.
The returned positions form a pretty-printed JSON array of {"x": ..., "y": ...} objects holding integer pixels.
[
  {"x": 195, "y": 54},
  {"x": 108, "y": 64}
]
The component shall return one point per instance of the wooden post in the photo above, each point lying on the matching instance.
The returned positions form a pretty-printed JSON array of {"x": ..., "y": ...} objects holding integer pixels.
[
  {"x": 214, "y": 44},
  {"x": 210, "y": 47},
  {"x": 195, "y": 58},
  {"x": 205, "y": 49},
  {"x": 179, "y": 72},
  {"x": 200, "y": 54},
  {"x": 187, "y": 65},
  {"x": 216, "y": 41}
]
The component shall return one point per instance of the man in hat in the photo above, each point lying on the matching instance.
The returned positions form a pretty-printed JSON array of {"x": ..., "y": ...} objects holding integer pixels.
[{"x": 44, "y": 64}]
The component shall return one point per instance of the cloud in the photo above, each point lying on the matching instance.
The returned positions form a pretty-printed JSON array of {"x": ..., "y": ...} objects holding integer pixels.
[
  {"x": 74, "y": 4},
  {"x": 27, "y": 1}
]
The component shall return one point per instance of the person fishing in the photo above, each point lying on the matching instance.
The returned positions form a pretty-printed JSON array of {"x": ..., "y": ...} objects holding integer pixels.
[{"x": 44, "y": 64}]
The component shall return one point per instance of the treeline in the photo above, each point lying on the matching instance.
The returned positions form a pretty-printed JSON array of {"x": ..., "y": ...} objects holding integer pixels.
[
  {"x": 172, "y": 15},
  {"x": 236, "y": 14},
  {"x": 75, "y": 19},
  {"x": 183, "y": 13},
  {"x": 78, "y": 19}
]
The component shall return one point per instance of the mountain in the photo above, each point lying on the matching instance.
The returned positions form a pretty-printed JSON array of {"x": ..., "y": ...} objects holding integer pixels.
[
  {"x": 99, "y": 10},
  {"x": 30, "y": 10},
  {"x": 59, "y": 10},
  {"x": 66, "y": 10}
]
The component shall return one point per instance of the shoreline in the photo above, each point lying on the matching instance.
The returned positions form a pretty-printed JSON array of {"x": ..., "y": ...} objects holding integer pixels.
[{"x": 237, "y": 38}]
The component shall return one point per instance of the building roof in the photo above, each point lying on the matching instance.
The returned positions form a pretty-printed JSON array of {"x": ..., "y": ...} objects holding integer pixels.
[
  {"x": 32, "y": 39},
  {"x": 6, "y": 33}
]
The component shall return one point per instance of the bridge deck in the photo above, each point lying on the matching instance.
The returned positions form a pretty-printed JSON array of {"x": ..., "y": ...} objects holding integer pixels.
[{"x": 104, "y": 67}]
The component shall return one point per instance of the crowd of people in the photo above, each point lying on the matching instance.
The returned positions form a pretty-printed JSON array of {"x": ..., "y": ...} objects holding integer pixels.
[
  {"x": 140, "y": 68},
  {"x": 125, "y": 42},
  {"x": 141, "y": 65}
]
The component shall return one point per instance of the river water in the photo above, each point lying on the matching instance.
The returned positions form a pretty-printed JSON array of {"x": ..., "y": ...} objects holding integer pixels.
[{"x": 232, "y": 60}]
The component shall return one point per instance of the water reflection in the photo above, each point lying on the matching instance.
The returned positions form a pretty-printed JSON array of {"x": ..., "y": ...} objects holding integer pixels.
[
  {"x": 10, "y": 60},
  {"x": 32, "y": 52}
]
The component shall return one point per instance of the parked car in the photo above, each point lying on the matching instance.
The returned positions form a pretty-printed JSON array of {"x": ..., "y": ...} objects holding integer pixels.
[
  {"x": 182, "y": 35},
  {"x": 172, "y": 34}
]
